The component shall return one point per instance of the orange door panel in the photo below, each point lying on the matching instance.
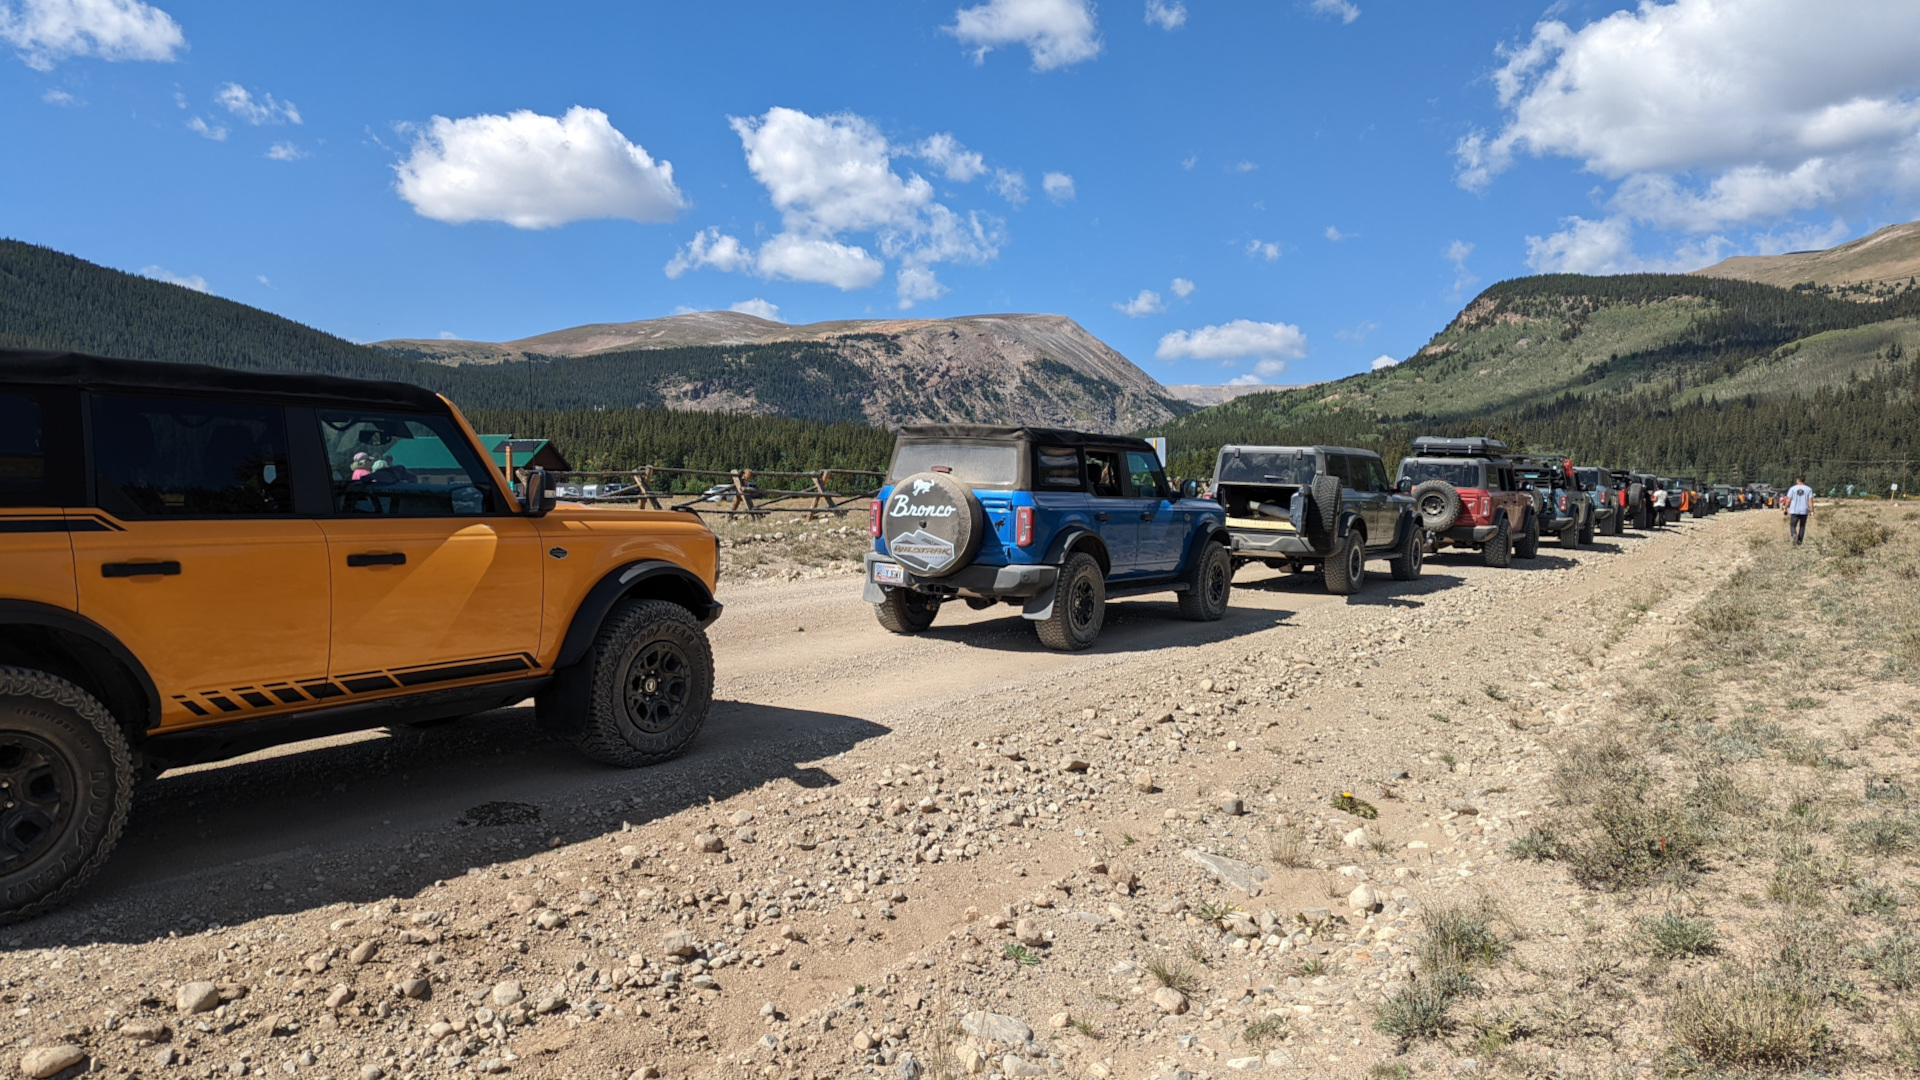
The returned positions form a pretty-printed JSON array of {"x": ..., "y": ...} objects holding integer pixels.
[
  {"x": 39, "y": 557},
  {"x": 418, "y": 601},
  {"x": 226, "y": 615}
]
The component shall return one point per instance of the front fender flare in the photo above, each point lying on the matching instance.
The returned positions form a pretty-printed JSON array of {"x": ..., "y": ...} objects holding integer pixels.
[{"x": 647, "y": 577}]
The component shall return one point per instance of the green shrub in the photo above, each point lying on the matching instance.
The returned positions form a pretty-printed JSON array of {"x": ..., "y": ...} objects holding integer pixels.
[
  {"x": 1748, "y": 1023},
  {"x": 1673, "y": 936}
]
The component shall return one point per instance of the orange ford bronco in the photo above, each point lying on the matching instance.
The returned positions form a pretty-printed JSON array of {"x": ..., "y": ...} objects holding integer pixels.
[{"x": 201, "y": 562}]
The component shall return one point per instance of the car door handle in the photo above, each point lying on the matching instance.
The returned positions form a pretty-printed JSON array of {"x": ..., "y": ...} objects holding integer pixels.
[
  {"x": 397, "y": 558},
  {"x": 169, "y": 568},
  {"x": 1103, "y": 517},
  {"x": 1146, "y": 515}
]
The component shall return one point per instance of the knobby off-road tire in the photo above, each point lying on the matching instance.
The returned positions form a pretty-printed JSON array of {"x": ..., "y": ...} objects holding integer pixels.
[
  {"x": 905, "y": 611},
  {"x": 1323, "y": 511},
  {"x": 1498, "y": 550},
  {"x": 69, "y": 781},
  {"x": 1438, "y": 504},
  {"x": 1079, "y": 605},
  {"x": 1569, "y": 537},
  {"x": 1413, "y": 554},
  {"x": 1209, "y": 584},
  {"x": 651, "y": 684},
  {"x": 1587, "y": 529},
  {"x": 1345, "y": 568},
  {"x": 1527, "y": 544}
]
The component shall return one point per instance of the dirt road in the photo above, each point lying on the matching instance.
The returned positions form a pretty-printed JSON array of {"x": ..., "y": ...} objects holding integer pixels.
[{"x": 877, "y": 804}]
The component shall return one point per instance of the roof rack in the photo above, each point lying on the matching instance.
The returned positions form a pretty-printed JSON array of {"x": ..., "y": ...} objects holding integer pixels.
[{"x": 1435, "y": 446}]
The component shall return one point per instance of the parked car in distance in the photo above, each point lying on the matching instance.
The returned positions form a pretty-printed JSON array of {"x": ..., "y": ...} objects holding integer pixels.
[
  {"x": 1609, "y": 515},
  {"x": 1565, "y": 511},
  {"x": 1326, "y": 507},
  {"x": 1468, "y": 496},
  {"x": 1054, "y": 522}
]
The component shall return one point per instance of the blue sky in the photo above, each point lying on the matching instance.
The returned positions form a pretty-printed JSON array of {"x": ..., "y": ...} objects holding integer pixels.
[{"x": 1281, "y": 191}]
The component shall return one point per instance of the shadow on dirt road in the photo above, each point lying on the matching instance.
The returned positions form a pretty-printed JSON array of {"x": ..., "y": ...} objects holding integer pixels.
[{"x": 363, "y": 817}]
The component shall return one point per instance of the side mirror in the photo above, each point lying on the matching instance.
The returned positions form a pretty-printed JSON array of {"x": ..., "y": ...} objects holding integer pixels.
[
  {"x": 1404, "y": 486},
  {"x": 1189, "y": 488},
  {"x": 534, "y": 494}
]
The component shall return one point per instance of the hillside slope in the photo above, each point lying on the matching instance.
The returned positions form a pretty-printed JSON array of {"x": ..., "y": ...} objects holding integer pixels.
[
  {"x": 1038, "y": 369},
  {"x": 1888, "y": 259},
  {"x": 1633, "y": 370}
]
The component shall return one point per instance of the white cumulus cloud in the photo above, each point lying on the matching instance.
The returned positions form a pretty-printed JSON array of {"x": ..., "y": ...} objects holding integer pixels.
[
  {"x": 1058, "y": 186},
  {"x": 48, "y": 31},
  {"x": 60, "y": 97},
  {"x": 1263, "y": 249},
  {"x": 1269, "y": 344},
  {"x": 1056, "y": 32},
  {"x": 758, "y": 308},
  {"x": 1383, "y": 362},
  {"x": 239, "y": 101},
  {"x": 206, "y": 130},
  {"x": 830, "y": 176},
  {"x": 1011, "y": 186},
  {"x": 1147, "y": 303},
  {"x": 1344, "y": 10},
  {"x": 1605, "y": 246},
  {"x": 1166, "y": 16},
  {"x": 1336, "y": 235},
  {"x": 185, "y": 281},
  {"x": 534, "y": 172},
  {"x": 1181, "y": 287},
  {"x": 285, "y": 151},
  {"x": 1463, "y": 278},
  {"x": 954, "y": 161},
  {"x": 1716, "y": 113}
]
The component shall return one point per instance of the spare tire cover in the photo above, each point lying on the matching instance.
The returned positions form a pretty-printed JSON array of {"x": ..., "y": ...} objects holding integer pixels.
[
  {"x": 1438, "y": 504},
  {"x": 932, "y": 524}
]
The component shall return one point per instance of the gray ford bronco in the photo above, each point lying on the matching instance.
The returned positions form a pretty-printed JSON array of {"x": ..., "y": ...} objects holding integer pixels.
[
  {"x": 1329, "y": 507},
  {"x": 1053, "y": 522}
]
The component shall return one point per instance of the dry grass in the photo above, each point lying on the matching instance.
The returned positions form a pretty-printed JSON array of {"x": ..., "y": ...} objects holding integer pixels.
[{"x": 1748, "y": 1022}]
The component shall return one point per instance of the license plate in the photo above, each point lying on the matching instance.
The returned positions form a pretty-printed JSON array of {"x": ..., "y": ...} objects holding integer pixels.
[{"x": 889, "y": 574}]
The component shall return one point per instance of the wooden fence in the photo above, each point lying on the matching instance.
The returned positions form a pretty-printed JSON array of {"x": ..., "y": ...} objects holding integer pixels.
[{"x": 738, "y": 491}]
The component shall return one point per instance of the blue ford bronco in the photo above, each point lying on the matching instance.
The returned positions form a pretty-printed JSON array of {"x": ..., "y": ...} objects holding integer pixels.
[{"x": 1054, "y": 521}]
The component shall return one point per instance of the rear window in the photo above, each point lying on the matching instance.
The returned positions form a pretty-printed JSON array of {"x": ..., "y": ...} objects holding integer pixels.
[
  {"x": 983, "y": 465},
  {"x": 167, "y": 457},
  {"x": 1593, "y": 478},
  {"x": 1461, "y": 474},
  {"x": 1265, "y": 467}
]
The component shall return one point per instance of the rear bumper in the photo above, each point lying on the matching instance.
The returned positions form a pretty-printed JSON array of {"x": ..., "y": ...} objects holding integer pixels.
[
  {"x": 993, "y": 581},
  {"x": 1262, "y": 544},
  {"x": 1469, "y": 534}
]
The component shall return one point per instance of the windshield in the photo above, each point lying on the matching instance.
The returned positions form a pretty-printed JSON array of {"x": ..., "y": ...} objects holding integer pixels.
[
  {"x": 1461, "y": 474},
  {"x": 1255, "y": 466},
  {"x": 973, "y": 464}
]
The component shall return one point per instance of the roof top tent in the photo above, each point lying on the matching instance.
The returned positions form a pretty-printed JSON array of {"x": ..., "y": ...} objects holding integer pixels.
[{"x": 1435, "y": 446}]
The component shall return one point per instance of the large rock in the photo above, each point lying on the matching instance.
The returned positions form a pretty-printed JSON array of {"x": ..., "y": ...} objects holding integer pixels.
[
  {"x": 679, "y": 943},
  {"x": 1248, "y": 879},
  {"x": 197, "y": 997},
  {"x": 48, "y": 1060},
  {"x": 997, "y": 1027},
  {"x": 1170, "y": 1001}
]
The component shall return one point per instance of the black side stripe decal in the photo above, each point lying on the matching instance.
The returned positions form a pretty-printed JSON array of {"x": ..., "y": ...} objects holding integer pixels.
[{"x": 364, "y": 682}]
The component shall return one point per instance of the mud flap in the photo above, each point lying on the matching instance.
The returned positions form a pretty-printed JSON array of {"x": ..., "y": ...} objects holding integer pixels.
[
  {"x": 873, "y": 594},
  {"x": 1039, "y": 606}
]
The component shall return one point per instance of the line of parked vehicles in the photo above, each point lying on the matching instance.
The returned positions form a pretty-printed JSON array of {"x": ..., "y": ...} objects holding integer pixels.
[{"x": 1058, "y": 522}]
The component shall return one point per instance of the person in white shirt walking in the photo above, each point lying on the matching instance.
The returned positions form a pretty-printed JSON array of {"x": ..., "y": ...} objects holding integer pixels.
[
  {"x": 1799, "y": 505},
  {"x": 1659, "y": 505}
]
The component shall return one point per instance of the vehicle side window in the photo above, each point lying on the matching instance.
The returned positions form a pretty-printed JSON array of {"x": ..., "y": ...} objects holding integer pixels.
[
  {"x": 180, "y": 457},
  {"x": 1144, "y": 470},
  {"x": 1377, "y": 475},
  {"x": 1103, "y": 473},
  {"x": 403, "y": 465},
  {"x": 1341, "y": 465},
  {"x": 23, "y": 451},
  {"x": 1057, "y": 468}
]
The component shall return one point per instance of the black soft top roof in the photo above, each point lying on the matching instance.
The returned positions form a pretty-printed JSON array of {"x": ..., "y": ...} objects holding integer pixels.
[
  {"x": 992, "y": 433},
  {"x": 102, "y": 373}
]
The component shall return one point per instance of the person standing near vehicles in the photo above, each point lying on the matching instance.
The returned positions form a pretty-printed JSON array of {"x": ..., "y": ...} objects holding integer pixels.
[
  {"x": 1659, "y": 505},
  {"x": 1799, "y": 505}
]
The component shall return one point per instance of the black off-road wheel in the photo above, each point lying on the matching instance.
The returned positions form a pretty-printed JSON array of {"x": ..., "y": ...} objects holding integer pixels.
[
  {"x": 1498, "y": 550},
  {"x": 1209, "y": 584},
  {"x": 650, "y": 684},
  {"x": 1619, "y": 522},
  {"x": 1438, "y": 504},
  {"x": 66, "y": 780},
  {"x": 1346, "y": 567},
  {"x": 1412, "y": 555},
  {"x": 1079, "y": 605},
  {"x": 1587, "y": 529},
  {"x": 1527, "y": 544},
  {"x": 1569, "y": 537},
  {"x": 906, "y": 612}
]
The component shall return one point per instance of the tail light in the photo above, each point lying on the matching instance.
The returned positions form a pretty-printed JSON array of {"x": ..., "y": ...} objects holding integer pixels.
[
  {"x": 1563, "y": 500},
  {"x": 1023, "y": 526},
  {"x": 873, "y": 518},
  {"x": 1483, "y": 506}
]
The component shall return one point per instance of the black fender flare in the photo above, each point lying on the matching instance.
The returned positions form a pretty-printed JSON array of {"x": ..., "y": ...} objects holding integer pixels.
[
  {"x": 648, "y": 577},
  {"x": 1213, "y": 534},
  {"x": 1074, "y": 536},
  {"x": 1349, "y": 520},
  {"x": 1401, "y": 527},
  {"x": 31, "y": 613}
]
